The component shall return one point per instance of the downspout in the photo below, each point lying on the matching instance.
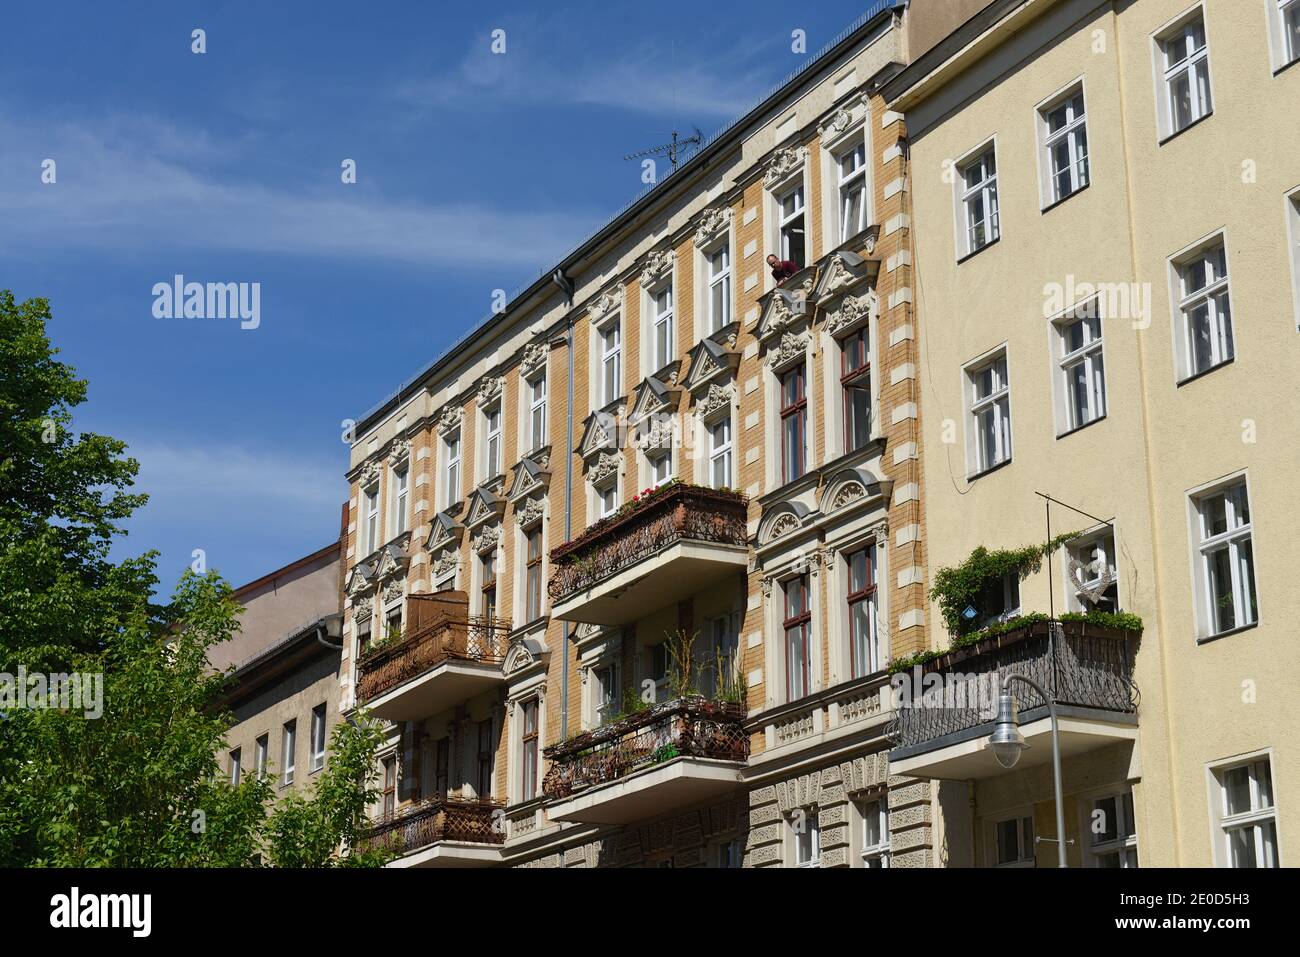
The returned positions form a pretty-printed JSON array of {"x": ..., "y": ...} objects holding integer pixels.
[{"x": 566, "y": 286}]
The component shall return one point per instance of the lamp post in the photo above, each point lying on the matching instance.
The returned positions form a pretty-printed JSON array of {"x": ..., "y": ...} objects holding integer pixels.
[{"x": 1006, "y": 742}]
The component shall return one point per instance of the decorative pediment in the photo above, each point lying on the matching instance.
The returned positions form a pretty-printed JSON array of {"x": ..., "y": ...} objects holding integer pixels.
[
  {"x": 487, "y": 539},
  {"x": 718, "y": 397},
  {"x": 710, "y": 361},
  {"x": 792, "y": 348},
  {"x": 843, "y": 122},
  {"x": 369, "y": 474},
  {"x": 530, "y": 511},
  {"x": 450, "y": 418},
  {"x": 658, "y": 268},
  {"x": 399, "y": 452},
  {"x": 657, "y": 431},
  {"x": 444, "y": 531},
  {"x": 361, "y": 579},
  {"x": 713, "y": 225},
  {"x": 525, "y": 655},
  {"x": 489, "y": 390},
  {"x": 445, "y": 564},
  {"x": 845, "y": 270},
  {"x": 782, "y": 520},
  {"x": 394, "y": 590},
  {"x": 601, "y": 431},
  {"x": 651, "y": 396},
  {"x": 528, "y": 477},
  {"x": 853, "y": 487},
  {"x": 606, "y": 304},
  {"x": 393, "y": 558},
  {"x": 363, "y": 606},
  {"x": 533, "y": 359},
  {"x": 834, "y": 125},
  {"x": 787, "y": 304},
  {"x": 854, "y": 312},
  {"x": 604, "y": 468},
  {"x": 784, "y": 164},
  {"x": 484, "y": 506}
]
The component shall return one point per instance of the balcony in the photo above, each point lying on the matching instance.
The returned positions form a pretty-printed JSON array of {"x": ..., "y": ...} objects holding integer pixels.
[
  {"x": 1086, "y": 668},
  {"x": 448, "y": 657},
  {"x": 441, "y": 832},
  {"x": 668, "y": 756},
  {"x": 675, "y": 542}
]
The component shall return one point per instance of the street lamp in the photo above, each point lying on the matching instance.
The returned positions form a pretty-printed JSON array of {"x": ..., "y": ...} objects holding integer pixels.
[{"x": 1006, "y": 742}]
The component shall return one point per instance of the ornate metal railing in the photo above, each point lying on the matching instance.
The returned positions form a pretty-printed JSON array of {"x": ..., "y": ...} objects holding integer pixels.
[
  {"x": 468, "y": 638},
  {"x": 689, "y": 727},
  {"x": 1076, "y": 662},
  {"x": 678, "y": 512},
  {"x": 438, "y": 819}
]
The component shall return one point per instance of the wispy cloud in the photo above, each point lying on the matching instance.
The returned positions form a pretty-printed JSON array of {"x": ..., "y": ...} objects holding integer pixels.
[{"x": 129, "y": 182}]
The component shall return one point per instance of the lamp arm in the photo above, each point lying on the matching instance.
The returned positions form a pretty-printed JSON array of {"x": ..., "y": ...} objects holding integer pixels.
[{"x": 1056, "y": 761}]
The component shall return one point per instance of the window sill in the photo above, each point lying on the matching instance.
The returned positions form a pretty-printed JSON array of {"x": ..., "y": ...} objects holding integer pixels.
[
  {"x": 1286, "y": 66},
  {"x": 975, "y": 252},
  {"x": 1204, "y": 372},
  {"x": 1064, "y": 199},
  {"x": 1231, "y": 632},
  {"x": 1191, "y": 125},
  {"x": 992, "y": 468},
  {"x": 1080, "y": 428}
]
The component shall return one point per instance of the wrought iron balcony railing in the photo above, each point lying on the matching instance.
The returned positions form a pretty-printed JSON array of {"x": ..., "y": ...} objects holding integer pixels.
[
  {"x": 1078, "y": 663},
  {"x": 446, "y": 638},
  {"x": 689, "y": 727},
  {"x": 679, "y": 512},
  {"x": 438, "y": 819}
]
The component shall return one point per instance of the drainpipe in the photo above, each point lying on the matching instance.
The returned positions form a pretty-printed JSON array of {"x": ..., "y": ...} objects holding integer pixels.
[{"x": 566, "y": 286}]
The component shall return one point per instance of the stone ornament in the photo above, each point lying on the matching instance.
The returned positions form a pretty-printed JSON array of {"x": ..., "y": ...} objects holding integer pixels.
[
  {"x": 533, "y": 360},
  {"x": 450, "y": 418},
  {"x": 712, "y": 223},
  {"x": 658, "y": 266},
  {"x": 783, "y": 163}
]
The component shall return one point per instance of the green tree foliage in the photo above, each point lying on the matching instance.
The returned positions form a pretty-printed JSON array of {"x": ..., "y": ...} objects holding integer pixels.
[{"x": 138, "y": 786}]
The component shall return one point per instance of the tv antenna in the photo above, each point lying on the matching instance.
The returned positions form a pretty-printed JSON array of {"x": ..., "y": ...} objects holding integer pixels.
[{"x": 676, "y": 151}]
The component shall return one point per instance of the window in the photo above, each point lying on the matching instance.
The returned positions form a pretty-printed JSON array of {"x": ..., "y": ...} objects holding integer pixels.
[
  {"x": 234, "y": 767},
  {"x": 1064, "y": 126},
  {"x": 606, "y": 702},
  {"x": 979, "y": 202},
  {"x": 1247, "y": 818},
  {"x": 442, "y": 767},
  {"x": 393, "y": 623},
  {"x": 263, "y": 747},
  {"x": 537, "y": 414},
  {"x": 720, "y": 453},
  {"x": 488, "y": 564},
  {"x": 1293, "y": 233},
  {"x": 611, "y": 364},
  {"x": 531, "y": 744},
  {"x": 289, "y": 747},
  {"x": 719, "y": 288},
  {"x": 388, "y": 800},
  {"x": 371, "y": 541},
  {"x": 1284, "y": 16},
  {"x": 718, "y": 668},
  {"x": 401, "y": 482},
  {"x": 990, "y": 413},
  {"x": 798, "y": 619},
  {"x": 1092, "y": 577},
  {"x": 318, "y": 737},
  {"x": 487, "y": 754},
  {"x": 1185, "y": 87},
  {"x": 1227, "y": 560},
  {"x": 661, "y": 467},
  {"x": 999, "y": 599},
  {"x": 1112, "y": 837},
  {"x": 807, "y": 839},
  {"x": 1015, "y": 842},
  {"x": 852, "y": 167},
  {"x": 661, "y": 333},
  {"x": 864, "y": 652},
  {"x": 791, "y": 226},
  {"x": 875, "y": 832},
  {"x": 492, "y": 427},
  {"x": 1205, "y": 310},
  {"x": 607, "y": 499},
  {"x": 533, "y": 573},
  {"x": 1081, "y": 367},
  {"x": 453, "y": 469},
  {"x": 855, "y": 380},
  {"x": 729, "y": 854},
  {"x": 794, "y": 423}
]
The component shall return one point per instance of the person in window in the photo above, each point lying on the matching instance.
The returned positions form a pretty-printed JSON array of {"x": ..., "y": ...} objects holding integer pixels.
[{"x": 782, "y": 269}]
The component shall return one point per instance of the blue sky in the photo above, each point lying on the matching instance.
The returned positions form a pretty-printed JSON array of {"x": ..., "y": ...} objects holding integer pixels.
[{"x": 474, "y": 172}]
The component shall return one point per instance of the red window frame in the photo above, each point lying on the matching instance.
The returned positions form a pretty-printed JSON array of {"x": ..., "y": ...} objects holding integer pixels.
[
  {"x": 796, "y": 620},
  {"x": 852, "y": 378},
  {"x": 794, "y": 410},
  {"x": 866, "y": 593}
]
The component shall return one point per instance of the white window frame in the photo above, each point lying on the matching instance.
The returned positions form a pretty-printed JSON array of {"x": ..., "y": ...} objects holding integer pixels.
[
  {"x": 236, "y": 768},
  {"x": 1204, "y": 544},
  {"x": 1284, "y": 42},
  {"x": 1090, "y": 357},
  {"x": 786, "y": 221},
  {"x": 493, "y": 444},
  {"x": 720, "y": 452},
  {"x": 986, "y": 190},
  {"x": 812, "y": 833},
  {"x": 1021, "y": 840},
  {"x": 1223, "y": 341},
  {"x": 370, "y": 499},
  {"x": 605, "y": 498},
  {"x": 537, "y": 412},
  {"x": 1088, "y": 545},
  {"x": 605, "y": 693},
  {"x": 854, "y": 182},
  {"x": 319, "y": 717},
  {"x": 452, "y": 453},
  {"x": 1075, "y": 136},
  {"x": 1194, "y": 63},
  {"x": 262, "y": 750},
  {"x": 1293, "y": 241},
  {"x": 998, "y": 401},
  {"x": 661, "y": 329},
  {"x": 1258, "y": 817},
  {"x": 401, "y": 499},
  {"x": 874, "y": 807},
  {"x": 720, "y": 278},
  {"x": 611, "y": 357},
  {"x": 288, "y": 750},
  {"x": 1123, "y": 842},
  {"x": 659, "y": 466}
]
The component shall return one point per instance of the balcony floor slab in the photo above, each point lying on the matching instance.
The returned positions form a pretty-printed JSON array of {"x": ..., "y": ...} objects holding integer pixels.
[{"x": 650, "y": 792}]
